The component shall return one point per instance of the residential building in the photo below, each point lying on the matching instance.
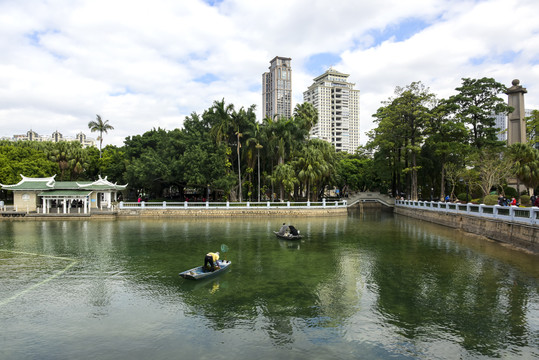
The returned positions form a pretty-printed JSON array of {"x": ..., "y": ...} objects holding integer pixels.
[
  {"x": 337, "y": 103},
  {"x": 56, "y": 136},
  {"x": 277, "y": 88}
]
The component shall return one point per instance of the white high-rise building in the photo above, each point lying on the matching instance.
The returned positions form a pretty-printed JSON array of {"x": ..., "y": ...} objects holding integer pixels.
[
  {"x": 338, "y": 110},
  {"x": 501, "y": 123},
  {"x": 277, "y": 88}
]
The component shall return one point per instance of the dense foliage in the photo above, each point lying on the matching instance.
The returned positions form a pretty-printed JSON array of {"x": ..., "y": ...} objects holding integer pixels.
[
  {"x": 421, "y": 148},
  {"x": 425, "y": 147}
]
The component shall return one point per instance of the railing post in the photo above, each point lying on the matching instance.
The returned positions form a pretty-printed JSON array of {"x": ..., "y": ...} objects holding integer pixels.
[
  {"x": 533, "y": 216},
  {"x": 288, "y": 204},
  {"x": 481, "y": 208},
  {"x": 268, "y": 204},
  {"x": 324, "y": 202},
  {"x": 512, "y": 212},
  {"x": 248, "y": 204},
  {"x": 142, "y": 204},
  {"x": 121, "y": 204},
  {"x": 207, "y": 204},
  {"x": 227, "y": 204},
  {"x": 495, "y": 211},
  {"x": 164, "y": 204},
  {"x": 185, "y": 204},
  {"x": 308, "y": 204}
]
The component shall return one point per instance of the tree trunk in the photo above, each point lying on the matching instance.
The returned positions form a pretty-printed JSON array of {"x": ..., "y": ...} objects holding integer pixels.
[{"x": 442, "y": 183}]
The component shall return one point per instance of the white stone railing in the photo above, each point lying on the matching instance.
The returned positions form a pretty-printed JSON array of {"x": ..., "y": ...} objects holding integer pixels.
[
  {"x": 528, "y": 215},
  {"x": 232, "y": 205}
]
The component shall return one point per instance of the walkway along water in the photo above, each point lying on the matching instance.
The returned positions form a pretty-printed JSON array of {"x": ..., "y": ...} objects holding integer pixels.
[{"x": 516, "y": 226}]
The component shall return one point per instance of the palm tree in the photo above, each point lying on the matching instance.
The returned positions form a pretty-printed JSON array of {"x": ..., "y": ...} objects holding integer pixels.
[
  {"x": 525, "y": 160},
  {"x": 221, "y": 118},
  {"x": 102, "y": 127},
  {"x": 286, "y": 175},
  {"x": 307, "y": 115}
]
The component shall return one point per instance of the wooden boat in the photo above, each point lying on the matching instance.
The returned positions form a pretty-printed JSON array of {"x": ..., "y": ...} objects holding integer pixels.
[
  {"x": 199, "y": 273},
  {"x": 287, "y": 236}
]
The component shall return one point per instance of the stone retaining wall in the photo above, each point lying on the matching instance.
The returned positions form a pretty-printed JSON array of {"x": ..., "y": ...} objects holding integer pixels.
[
  {"x": 122, "y": 213},
  {"x": 519, "y": 235}
]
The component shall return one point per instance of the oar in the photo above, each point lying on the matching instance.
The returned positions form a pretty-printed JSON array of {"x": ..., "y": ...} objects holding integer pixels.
[{"x": 224, "y": 249}]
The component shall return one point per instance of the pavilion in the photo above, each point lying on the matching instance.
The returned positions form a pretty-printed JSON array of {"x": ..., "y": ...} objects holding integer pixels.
[{"x": 62, "y": 196}]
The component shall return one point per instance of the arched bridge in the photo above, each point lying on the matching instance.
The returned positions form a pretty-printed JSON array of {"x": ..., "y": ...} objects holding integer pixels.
[{"x": 366, "y": 197}]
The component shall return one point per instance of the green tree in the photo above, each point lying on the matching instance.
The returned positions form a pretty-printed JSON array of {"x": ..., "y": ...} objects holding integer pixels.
[
  {"x": 100, "y": 126},
  {"x": 525, "y": 164},
  {"x": 532, "y": 127},
  {"x": 493, "y": 168},
  {"x": 314, "y": 166},
  {"x": 446, "y": 140},
  {"x": 307, "y": 117},
  {"x": 356, "y": 174},
  {"x": 401, "y": 126},
  {"x": 476, "y": 103},
  {"x": 113, "y": 163}
]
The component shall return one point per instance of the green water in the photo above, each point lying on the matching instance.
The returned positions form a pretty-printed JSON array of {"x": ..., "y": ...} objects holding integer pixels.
[{"x": 366, "y": 286}]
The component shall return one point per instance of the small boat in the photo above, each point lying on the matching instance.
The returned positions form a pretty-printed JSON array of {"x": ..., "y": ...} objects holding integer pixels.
[
  {"x": 199, "y": 272},
  {"x": 288, "y": 236}
]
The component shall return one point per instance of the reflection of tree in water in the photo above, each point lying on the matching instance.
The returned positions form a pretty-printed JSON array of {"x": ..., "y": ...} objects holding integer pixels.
[{"x": 452, "y": 290}]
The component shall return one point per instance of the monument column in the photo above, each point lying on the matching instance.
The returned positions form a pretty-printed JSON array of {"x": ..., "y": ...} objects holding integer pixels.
[{"x": 516, "y": 125}]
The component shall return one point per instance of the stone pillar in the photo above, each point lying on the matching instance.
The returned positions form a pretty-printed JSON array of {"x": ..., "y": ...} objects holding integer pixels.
[{"x": 516, "y": 125}]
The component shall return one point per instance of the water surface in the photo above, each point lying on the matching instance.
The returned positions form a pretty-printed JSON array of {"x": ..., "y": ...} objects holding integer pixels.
[{"x": 370, "y": 286}]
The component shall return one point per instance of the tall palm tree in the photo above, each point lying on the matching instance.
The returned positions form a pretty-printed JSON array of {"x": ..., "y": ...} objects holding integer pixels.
[
  {"x": 102, "y": 127},
  {"x": 307, "y": 115},
  {"x": 221, "y": 119}
]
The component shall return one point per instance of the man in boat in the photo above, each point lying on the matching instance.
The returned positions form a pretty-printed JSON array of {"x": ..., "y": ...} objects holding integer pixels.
[
  {"x": 211, "y": 259},
  {"x": 284, "y": 230}
]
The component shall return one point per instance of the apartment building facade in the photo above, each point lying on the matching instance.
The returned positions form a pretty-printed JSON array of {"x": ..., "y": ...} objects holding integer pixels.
[
  {"x": 277, "y": 88},
  {"x": 337, "y": 103}
]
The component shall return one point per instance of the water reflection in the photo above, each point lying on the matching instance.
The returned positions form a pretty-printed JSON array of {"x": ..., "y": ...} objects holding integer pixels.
[{"x": 371, "y": 283}]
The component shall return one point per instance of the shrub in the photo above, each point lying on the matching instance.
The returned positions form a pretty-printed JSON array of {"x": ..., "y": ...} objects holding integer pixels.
[
  {"x": 490, "y": 200},
  {"x": 525, "y": 200},
  {"x": 510, "y": 192},
  {"x": 462, "y": 197}
]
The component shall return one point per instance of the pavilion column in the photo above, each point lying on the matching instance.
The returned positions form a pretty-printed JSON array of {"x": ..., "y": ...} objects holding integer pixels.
[
  {"x": 85, "y": 204},
  {"x": 44, "y": 205},
  {"x": 64, "y": 205}
]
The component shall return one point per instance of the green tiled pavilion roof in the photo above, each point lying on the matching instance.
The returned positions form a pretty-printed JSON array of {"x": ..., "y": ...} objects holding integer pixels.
[
  {"x": 44, "y": 184},
  {"x": 78, "y": 193}
]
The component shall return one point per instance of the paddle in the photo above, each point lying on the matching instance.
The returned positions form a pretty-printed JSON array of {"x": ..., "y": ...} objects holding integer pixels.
[{"x": 224, "y": 249}]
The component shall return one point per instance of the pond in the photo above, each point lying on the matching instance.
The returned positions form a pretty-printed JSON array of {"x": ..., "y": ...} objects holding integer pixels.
[{"x": 368, "y": 285}]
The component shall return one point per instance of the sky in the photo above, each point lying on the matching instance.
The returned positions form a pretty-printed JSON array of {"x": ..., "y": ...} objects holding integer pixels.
[{"x": 149, "y": 64}]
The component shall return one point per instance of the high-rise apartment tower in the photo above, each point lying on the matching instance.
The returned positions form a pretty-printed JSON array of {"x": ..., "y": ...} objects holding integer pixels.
[
  {"x": 338, "y": 110},
  {"x": 277, "y": 88}
]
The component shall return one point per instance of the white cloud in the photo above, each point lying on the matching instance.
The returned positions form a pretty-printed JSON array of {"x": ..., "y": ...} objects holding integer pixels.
[{"x": 139, "y": 64}]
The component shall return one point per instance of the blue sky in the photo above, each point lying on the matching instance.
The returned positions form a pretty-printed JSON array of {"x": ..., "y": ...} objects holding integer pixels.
[{"x": 143, "y": 66}]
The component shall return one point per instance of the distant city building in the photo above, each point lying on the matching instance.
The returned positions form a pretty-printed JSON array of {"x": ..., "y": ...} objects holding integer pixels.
[
  {"x": 501, "y": 123},
  {"x": 56, "y": 136},
  {"x": 277, "y": 88},
  {"x": 337, "y": 103}
]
